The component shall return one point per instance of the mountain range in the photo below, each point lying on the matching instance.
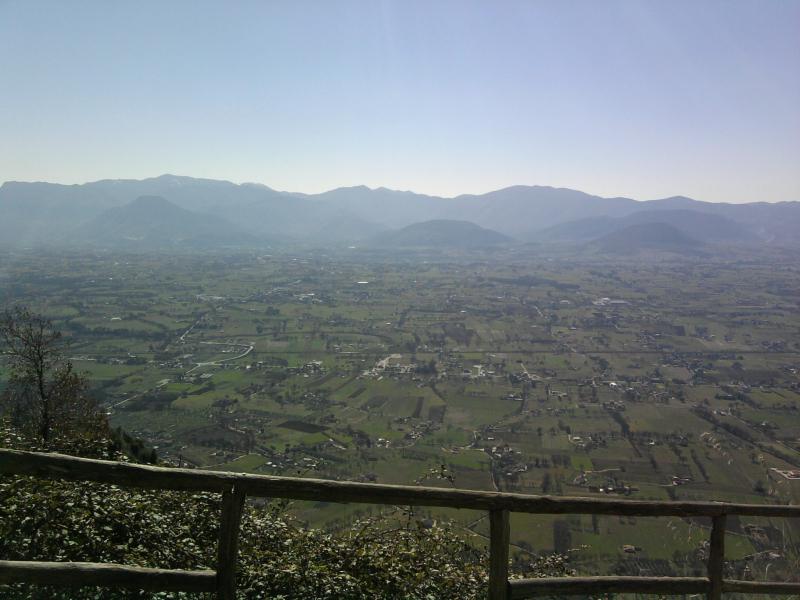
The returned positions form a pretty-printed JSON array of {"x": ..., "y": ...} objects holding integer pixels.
[{"x": 173, "y": 211}]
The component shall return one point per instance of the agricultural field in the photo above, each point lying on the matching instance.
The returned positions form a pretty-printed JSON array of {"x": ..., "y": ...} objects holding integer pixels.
[{"x": 513, "y": 371}]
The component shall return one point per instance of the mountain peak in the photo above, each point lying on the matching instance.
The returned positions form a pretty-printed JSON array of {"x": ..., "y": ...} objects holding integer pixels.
[
  {"x": 152, "y": 221},
  {"x": 442, "y": 233},
  {"x": 351, "y": 188}
]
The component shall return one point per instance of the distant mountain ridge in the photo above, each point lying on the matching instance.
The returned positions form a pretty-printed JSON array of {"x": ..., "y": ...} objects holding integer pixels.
[
  {"x": 441, "y": 233},
  {"x": 704, "y": 227},
  {"x": 37, "y": 213},
  {"x": 153, "y": 222}
]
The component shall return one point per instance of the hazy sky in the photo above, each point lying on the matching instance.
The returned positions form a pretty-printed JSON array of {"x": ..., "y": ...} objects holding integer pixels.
[{"x": 635, "y": 98}]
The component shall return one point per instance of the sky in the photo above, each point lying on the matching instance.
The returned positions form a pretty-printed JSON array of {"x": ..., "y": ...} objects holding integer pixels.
[{"x": 635, "y": 98}]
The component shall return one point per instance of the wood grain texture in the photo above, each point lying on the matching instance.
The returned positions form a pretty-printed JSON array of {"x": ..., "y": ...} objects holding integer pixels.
[
  {"x": 499, "y": 537},
  {"x": 716, "y": 557},
  {"x": 228, "y": 547}
]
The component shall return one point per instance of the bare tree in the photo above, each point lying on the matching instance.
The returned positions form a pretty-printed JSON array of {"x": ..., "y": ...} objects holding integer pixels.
[{"x": 45, "y": 395}]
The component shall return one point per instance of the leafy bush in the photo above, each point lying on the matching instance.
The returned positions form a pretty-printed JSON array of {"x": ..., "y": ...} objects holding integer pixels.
[{"x": 278, "y": 558}]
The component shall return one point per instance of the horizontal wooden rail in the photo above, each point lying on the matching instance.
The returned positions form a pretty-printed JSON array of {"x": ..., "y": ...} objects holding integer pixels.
[
  {"x": 106, "y": 575},
  {"x": 585, "y": 586},
  {"x": 59, "y": 466},
  {"x": 235, "y": 487},
  {"x": 760, "y": 587},
  {"x": 528, "y": 588}
]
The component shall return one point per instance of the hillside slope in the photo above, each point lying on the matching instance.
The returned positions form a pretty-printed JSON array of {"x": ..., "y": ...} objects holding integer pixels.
[
  {"x": 152, "y": 221},
  {"x": 645, "y": 237},
  {"x": 441, "y": 233},
  {"x": 705, "y": 227}
]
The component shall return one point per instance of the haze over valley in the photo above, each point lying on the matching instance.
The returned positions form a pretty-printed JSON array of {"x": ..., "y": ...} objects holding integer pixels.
[{"x": 184, "y": 212}]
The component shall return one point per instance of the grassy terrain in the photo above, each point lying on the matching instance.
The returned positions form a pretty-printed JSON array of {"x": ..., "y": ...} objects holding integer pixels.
[{"x": 509, "y": 374}]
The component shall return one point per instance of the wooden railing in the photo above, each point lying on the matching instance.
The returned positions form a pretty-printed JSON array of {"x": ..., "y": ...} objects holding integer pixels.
[{"x": 236, "y": 487}]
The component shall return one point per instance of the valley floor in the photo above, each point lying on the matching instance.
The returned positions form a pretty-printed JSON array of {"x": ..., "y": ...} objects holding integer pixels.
[{"x": 659, "y": 380}]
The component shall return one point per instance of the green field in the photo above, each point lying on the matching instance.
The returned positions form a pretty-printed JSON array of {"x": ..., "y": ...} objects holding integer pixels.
[{"x": 508, "y": 375}]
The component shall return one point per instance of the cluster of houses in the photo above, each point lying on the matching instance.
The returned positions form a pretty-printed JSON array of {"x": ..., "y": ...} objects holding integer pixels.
[
  {"x": 508, "y": 460},
  {"x": 313, "y": 367},
  {"x": 391, "y": 365}
]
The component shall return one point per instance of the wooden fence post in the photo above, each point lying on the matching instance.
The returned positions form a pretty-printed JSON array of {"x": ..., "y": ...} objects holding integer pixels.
[
  {"x": 716, "y": 557},
  {"x": 499, "y": 537},
  {"x": 232, "y": 505}
]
